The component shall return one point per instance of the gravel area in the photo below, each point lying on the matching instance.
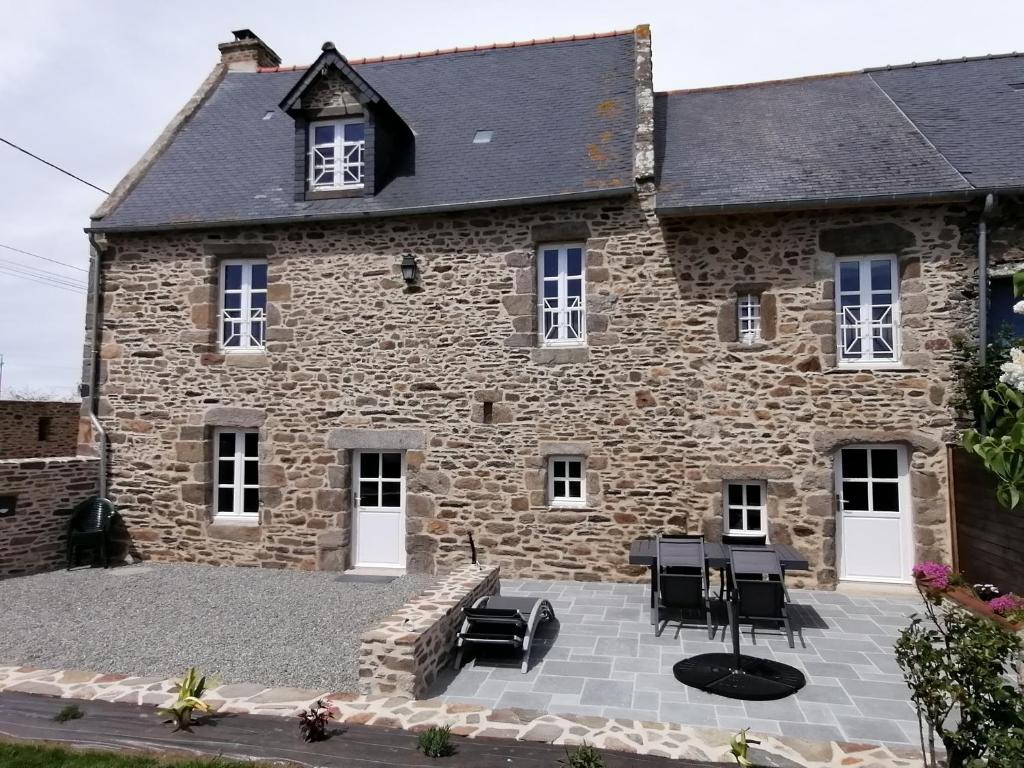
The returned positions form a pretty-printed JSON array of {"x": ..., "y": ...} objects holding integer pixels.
[{"x": 278, "y": 628}]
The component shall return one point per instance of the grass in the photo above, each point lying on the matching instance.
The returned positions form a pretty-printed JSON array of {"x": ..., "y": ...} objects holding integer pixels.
[{"x": 41, "y": 756}]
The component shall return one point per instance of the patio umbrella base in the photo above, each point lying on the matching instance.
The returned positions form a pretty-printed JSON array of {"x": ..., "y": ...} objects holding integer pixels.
[{"x": 755, "y": 680}]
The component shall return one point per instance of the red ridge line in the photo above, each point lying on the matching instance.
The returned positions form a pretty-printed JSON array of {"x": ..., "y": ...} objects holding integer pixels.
[{"x": 473, "y": 49}]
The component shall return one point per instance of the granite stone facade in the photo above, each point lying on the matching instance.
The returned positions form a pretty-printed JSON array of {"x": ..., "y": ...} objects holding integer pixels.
[
  {"x": 662, "y": 401},
  {"x": 37, "y": 429}
]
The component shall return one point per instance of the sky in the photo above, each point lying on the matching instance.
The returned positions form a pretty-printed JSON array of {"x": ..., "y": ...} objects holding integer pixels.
[{"x": 89, "y": 86}]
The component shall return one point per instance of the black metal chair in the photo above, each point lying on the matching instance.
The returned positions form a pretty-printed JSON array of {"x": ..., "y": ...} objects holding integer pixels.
[
  {"x": 503, "y": 621},
  {"x": 89, "y": 528},
  {"x": 737, "y": 540},
  {"x": 682, "y": 580},
  {"x": 757, "y": 591}
]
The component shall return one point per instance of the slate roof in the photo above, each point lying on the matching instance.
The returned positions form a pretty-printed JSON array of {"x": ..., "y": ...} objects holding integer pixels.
[
  {"x": 941, "y": 129},
  {"x": 563, "y": 115},
  {"x": 970, "y": 111}
]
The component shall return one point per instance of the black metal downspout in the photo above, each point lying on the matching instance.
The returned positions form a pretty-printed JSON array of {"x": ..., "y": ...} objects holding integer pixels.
[
  {"x": 93, "y": 394},
  {"x": 986, "y": 211}
]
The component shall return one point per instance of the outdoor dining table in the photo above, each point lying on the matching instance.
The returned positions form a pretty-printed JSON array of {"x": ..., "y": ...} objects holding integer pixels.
[
  {"x": 728, "y": 674},
  {"x": 716, "y": 555}
]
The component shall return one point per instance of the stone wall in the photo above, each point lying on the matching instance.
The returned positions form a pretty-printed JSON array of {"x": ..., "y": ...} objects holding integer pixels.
[
  {"x": 403, "y": 655},
  {"x": 32, "y": 539},
  {"x": 20, "y": 429},
  {"x": 662, "y": 402}
]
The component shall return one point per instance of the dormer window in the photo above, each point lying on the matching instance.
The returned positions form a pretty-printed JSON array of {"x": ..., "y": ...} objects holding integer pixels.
[{"x": 336, "y": 154}]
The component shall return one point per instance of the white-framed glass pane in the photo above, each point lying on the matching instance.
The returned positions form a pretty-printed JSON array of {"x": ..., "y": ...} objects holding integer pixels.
[
  {"x": 867, "y": 306},
  {"x": 336, "y": 158},
  {"x": 561, "y": 287},
  {"x": 243, "y": 304},
  {"x": 745, "y": 511},
  {"x": 236, "y": 469},
  {"x": 566, "y": 481},
  {"x": 323, "y": 135},
  {"x": 748, "y": 313}
]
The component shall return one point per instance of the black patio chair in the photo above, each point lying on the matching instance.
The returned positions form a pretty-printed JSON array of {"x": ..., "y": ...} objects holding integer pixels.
[
  {"x": 89, "y": 528},
  {"x": 682, "y": 580},
  {"x": 757, "y": 590},
  {"x": 503, "y": 621},
  {"x": 738, "y": 540}
]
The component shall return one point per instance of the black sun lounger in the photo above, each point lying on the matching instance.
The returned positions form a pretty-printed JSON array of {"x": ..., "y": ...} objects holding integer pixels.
[{"x": 503, "y": 621}]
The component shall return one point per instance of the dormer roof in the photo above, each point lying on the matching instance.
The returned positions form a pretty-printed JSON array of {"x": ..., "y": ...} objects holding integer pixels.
[{"x": 330, "y": 59}]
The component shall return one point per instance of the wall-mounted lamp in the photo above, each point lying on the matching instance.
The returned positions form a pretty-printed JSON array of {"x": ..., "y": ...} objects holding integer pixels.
[{"x": 410, "y": 269}]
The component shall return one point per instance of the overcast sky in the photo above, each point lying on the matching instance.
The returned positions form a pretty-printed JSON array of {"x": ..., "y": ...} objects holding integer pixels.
[{"x": 89, "y": 86}]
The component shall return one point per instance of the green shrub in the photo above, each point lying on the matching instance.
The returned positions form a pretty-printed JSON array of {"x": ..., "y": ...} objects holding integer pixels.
[
  {"x": 70, "y": 712},
  {"x": 584, "y": 756},
  {"x": 436, "y": 741},
  {"x": 958, "y": 667}
]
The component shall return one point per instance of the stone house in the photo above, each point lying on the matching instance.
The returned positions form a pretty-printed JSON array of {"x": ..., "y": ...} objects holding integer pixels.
[{"x": 350, "y": 313}]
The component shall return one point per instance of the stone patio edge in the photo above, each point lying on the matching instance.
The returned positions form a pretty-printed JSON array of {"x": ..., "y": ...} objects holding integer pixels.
[{"x": 621, "y": 735}]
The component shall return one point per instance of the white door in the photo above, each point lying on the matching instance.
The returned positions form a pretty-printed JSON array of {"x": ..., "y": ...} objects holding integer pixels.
[
  {"x": 378, "y": 484},
  {"x": 875, "y": 536}
]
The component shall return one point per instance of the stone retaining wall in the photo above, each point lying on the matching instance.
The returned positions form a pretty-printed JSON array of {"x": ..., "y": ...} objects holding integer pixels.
[
  {"x": 403, "y": 655},
  {"x": 44, "y": 490}
]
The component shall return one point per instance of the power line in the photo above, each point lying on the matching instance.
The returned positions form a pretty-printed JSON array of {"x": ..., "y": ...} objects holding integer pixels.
[
  {"x": 41, "y": 281},
  {"x": 55, "y": 167},
  {"x": 42, "y": 273},
  {"x": 44, "y": 258}
]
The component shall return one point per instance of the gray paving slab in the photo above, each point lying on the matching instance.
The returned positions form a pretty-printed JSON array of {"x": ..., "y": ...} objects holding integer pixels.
[{"x": 605, "y": 660}]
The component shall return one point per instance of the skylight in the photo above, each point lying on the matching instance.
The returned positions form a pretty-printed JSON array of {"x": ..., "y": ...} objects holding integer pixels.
[{"x": 483, "y": 137}]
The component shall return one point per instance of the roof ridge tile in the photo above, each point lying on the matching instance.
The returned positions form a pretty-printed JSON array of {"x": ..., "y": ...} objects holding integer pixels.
[{"x": 470, "y": 49}]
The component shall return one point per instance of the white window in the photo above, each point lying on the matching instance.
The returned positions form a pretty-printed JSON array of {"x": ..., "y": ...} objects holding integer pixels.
[
  {"x": 748, "y": 317},
  {"x": 243, "y": 304},
  {"x": 566, "y": 480},
  {"x": 745, "y": 510},
  {"x": 237, "y": 475},
  {"x": 867, "y": 310},
  {"x": 560, "y": 287},
  {"x": 336, "y": 154}
]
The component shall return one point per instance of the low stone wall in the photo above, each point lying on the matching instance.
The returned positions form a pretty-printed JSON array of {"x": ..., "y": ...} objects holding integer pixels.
[
  {"x": 32, "y": 538},
  {"x": 403, "y": 655},
  {"x": 38, "y": 428}
]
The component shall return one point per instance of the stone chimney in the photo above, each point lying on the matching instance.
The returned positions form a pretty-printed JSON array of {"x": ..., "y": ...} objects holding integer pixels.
[{"x": 247, "y": 52}]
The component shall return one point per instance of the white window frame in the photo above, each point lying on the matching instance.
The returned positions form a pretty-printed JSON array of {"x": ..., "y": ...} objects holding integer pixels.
[
  {"x": 567, "y": 501},
  {"x": 865, "y": 324},
  {"x": 561, "y": 308},
  {"x": 248, "y": 316},
  {"x": 237, "y": 480},
  {"x": 341, "y": 149},
  {"x": 748, "y": 317},
  {"x": 745, "y": 507}
]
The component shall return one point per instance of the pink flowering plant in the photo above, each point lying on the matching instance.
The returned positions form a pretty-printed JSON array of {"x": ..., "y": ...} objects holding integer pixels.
[
  {"x": 1008, "y": 606},
  {"x": 933, "y": 575}
]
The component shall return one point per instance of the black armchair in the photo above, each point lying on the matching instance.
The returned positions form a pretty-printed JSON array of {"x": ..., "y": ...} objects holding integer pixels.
[{"x": 89, "y": 528}]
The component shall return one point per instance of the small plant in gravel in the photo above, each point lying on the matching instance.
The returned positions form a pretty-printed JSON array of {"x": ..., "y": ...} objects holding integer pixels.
[
  {"x": 739, "y": 746},
  {"x": 436, "y": 741},
  {"x": 583, "y": 756},
  {"x": 190, "y": 697},
  {"x": 70, "y": 712},
  {"x": 313, "y": 721}
]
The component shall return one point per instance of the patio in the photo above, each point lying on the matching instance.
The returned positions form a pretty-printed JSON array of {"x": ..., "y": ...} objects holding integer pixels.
[{"x": 603, "y": 659}]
